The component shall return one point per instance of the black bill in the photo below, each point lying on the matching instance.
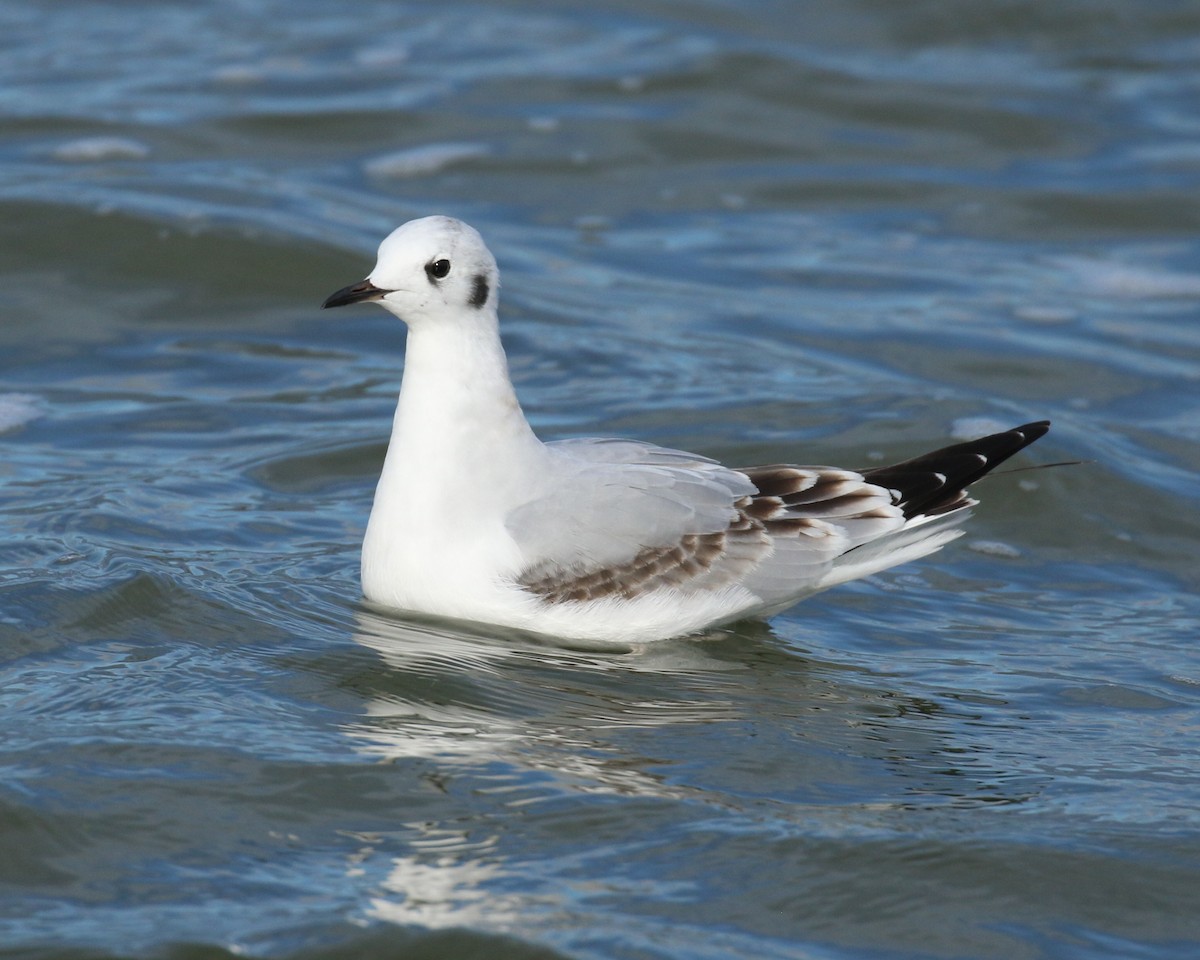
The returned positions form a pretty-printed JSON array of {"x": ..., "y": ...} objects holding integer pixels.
[{"x": 359, "y": 292}]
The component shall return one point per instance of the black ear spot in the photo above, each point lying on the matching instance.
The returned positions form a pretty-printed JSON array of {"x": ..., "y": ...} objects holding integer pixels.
[{"x": 479, "y": 291}]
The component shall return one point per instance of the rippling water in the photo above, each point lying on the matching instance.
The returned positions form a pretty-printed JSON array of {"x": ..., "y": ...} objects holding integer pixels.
[{"x": 766, "y": 232}]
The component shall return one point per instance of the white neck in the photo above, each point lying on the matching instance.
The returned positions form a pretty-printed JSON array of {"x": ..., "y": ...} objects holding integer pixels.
[
  {"x": 461, "y": 452},
  {"x": 457, "y": 405}
]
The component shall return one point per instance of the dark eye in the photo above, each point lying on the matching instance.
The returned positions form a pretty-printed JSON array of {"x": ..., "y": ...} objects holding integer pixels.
[{"x": 437, "y": 269}]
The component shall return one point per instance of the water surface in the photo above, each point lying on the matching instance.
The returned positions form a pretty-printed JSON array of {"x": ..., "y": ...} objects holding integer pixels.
[{"x": 787, "y": 231}]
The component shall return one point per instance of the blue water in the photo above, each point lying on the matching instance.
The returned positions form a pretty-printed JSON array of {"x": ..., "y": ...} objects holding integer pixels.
[{"x": 765, "y": 232}]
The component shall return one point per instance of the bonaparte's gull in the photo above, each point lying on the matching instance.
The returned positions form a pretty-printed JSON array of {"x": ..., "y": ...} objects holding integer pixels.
[{"x": 477, "y": 519}]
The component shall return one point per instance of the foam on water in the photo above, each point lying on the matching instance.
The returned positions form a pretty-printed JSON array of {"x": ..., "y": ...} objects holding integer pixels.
[
  {"x": 18, "y": 409},
  {"x": 428, "y": 158},
  {"x": 96, "y": 149}
]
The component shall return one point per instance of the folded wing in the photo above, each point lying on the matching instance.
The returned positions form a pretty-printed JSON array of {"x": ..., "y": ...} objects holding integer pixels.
[{"x": 629, "y": 519}]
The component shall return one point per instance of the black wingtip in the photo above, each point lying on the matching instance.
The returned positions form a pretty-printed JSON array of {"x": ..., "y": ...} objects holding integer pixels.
[
  {"x": 936, "y": 482},
  {"x": 1033, "y": 431}
]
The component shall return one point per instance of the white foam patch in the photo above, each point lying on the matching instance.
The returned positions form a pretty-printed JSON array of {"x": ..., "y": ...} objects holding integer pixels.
[
  {"x": 386, "y": 55},
  {"x": 1046, "y": 315},
  {"x": 18, "y": 409},
  {"x": 994, "y": 548},
  {"x": 92, "y": 149},
  {"x": 426, "y": 159},
  {"x": 238, "y": 74},
  {"x": 1128, "y": 280},
  {"x": 972, "y": 428}
]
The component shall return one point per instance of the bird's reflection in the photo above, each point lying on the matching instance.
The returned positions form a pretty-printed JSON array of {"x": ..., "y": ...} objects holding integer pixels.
[
  {"x": 463, "y": 693},
  {"x": 614, "y": 719},
  {"x": 515, "y": 728}
]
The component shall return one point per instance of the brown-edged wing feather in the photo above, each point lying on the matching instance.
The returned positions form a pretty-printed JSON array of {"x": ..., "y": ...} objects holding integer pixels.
[
  {"x": 817, "y": 508},
  {"x": 712, "y": 558}
]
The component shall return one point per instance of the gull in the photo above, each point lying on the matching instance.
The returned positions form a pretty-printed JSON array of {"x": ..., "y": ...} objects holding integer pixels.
[{"x": 604, "y": 540}]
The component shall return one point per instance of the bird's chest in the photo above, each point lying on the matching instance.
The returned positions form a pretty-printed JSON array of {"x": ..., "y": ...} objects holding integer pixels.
[{"x": 427, "y": 551}]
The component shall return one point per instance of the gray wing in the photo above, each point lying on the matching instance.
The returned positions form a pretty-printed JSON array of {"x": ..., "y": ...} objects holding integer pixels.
[
  {"x": 621, "y": 518},
  {"x": 608, "y": 505}
]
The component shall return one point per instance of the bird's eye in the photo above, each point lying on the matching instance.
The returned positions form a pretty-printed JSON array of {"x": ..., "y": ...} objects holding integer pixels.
[{"x": 437, "y": 269}]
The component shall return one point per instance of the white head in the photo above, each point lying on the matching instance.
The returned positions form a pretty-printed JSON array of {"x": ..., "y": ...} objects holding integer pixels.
[{"x": 429, "y": 268}]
